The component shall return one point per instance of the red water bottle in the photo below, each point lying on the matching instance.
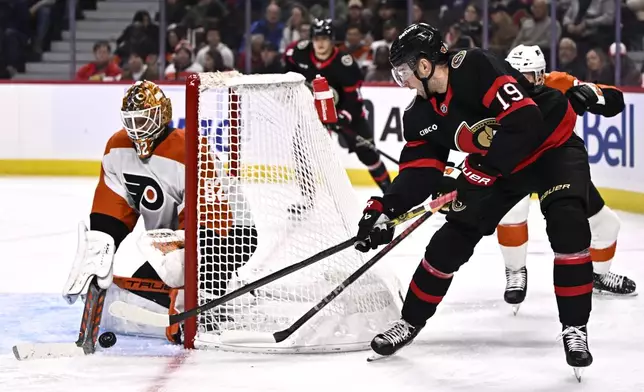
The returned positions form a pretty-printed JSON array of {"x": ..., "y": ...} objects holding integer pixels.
[{"x": 324, "y": 102}]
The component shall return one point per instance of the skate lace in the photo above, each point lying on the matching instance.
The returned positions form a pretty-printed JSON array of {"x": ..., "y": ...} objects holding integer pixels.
[
  {"x": 575, "y": 338},
  {"x": 398, "y": 332},
  {"x": 516, "y": 280},
  {"x": 612, "y": 280}
]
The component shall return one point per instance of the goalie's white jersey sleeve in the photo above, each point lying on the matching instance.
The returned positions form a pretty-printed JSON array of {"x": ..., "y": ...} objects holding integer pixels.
[{"x": 153, "y": 188}]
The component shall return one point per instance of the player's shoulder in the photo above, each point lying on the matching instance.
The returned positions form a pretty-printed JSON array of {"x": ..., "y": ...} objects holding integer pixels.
[
  {"x": 561, "y": 81},
  {"x": 344, "y": 58},
  {"x": 418, "y": 120},
  {"x": 118, "y": 140},
  {"x": 298, "y": 48},
  {"x": 173, "y": 146},
  {"x": 467, "y": 59}
]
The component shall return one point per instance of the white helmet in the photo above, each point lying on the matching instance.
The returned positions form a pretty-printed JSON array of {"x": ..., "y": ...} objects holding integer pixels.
[{"x": 526, "y": 59}]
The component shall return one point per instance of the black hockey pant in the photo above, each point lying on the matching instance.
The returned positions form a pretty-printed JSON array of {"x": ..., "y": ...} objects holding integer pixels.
[{"x": 561, "y": 178}]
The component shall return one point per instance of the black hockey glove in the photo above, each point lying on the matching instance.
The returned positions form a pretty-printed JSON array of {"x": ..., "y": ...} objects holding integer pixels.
[
  {"x": 581, "y": 98},
  {"x": 447, "y": 184},
  {"x": 344, "y": 120},
  {"x": 372, "y": 230},
  {"x": 474, "y": 180}
]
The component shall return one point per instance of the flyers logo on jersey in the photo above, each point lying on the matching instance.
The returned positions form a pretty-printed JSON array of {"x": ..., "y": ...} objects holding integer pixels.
[
  {"x": 145, "y": 192},
  {"x": 476, "y": 138}
]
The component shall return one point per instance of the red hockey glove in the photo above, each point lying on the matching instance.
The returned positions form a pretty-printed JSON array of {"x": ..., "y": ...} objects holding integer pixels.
[{"x": 372, "y": 228}]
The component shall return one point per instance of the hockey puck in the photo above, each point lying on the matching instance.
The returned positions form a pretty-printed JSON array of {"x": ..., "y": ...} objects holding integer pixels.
[{"x": 107, "y": 339}]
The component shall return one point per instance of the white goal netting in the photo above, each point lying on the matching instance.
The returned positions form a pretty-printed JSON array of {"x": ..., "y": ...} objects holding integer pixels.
[{"x": 272, "y": 192}]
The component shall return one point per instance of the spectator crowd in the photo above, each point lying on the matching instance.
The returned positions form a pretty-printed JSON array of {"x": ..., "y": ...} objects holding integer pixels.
[{"x": 209, "y": 35}]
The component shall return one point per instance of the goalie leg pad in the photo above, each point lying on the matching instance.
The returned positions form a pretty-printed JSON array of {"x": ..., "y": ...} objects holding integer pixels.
[{"x": 121, "y": 326}]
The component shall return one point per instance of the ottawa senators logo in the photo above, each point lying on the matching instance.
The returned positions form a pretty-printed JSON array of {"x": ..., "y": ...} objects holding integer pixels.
[
  {"x": 145, "y": 192},
  {"x": 477, "y": 138}
]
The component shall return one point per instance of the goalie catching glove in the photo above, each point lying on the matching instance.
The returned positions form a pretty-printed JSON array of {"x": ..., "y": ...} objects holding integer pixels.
[
  {"x": 372, "y": 228},
  {"x": 164, "y": 250}
]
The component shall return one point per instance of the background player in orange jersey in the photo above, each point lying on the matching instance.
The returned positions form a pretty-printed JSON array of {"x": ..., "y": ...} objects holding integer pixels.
[{"x": 513, "y": 229}]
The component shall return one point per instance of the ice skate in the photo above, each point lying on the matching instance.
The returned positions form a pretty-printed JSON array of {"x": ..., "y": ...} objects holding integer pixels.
[
  {"x": 575, "y": 341},
  {"x": 613, "y": 284},
  {"x": 389, "y": 342},
  {"x": 516, "y": 286}
]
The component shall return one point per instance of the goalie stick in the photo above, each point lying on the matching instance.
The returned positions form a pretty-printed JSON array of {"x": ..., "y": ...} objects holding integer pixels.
[
  {"x": 87, "y": 335},
  {"x": 143, "y": 316}
]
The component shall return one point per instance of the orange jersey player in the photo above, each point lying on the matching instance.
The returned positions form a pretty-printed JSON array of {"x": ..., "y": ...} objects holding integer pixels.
[
  {"x": 143, "y": 175},
  {"x": 512, "y": 231}
]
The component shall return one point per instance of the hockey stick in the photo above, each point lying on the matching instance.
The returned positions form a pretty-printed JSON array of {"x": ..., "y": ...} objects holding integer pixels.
[
  {"x": 137, "y": 314},
  {"x": 280, "y": 336},
  {"x": 87, "y": 335},
  {"x": 361, "y": 140},
  {"x": 234, "y": 337}
]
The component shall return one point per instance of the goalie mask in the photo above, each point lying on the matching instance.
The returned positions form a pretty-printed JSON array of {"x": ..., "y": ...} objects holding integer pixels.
[{"x": 145, "y": 113}]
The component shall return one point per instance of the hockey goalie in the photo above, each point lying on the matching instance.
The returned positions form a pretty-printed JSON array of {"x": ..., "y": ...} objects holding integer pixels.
[{"x": 142, "y": 175}]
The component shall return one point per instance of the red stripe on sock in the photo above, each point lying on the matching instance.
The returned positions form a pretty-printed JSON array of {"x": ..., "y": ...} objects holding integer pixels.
[
  {"x": 573, "y": 259},
  {"x": 573, "y": 290},
  {"x": 432, "y": 299},
  {"x": 434, "y": 271},
  {"x": 382, "y": 177}
]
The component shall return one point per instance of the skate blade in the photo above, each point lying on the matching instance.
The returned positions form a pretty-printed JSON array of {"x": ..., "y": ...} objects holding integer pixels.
[
  {"x": 515, "y": 309},
  {"x": 578, "y": 372},
  {"x": 609, "y": 294},
  {"x": 377, "y": 357}
]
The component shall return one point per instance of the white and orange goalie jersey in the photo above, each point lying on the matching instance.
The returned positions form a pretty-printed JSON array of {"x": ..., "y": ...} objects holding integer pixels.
[{"x": 143, "y": 176}]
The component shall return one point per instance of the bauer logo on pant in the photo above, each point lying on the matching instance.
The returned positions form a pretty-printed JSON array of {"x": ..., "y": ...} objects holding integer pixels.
[{"x": 553, "y": 190}]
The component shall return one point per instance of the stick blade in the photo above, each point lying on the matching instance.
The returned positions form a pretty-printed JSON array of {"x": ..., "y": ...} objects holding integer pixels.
[
  {"x": 138, "y": 315},
  {"x": 27, "y": 351},
  {"x": 281, "y": 336},
  {"x": 245, "y": 337}
]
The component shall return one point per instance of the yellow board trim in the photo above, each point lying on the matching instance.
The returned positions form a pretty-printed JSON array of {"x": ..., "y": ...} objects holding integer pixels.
[
  {"x": 49, "y": 167},
  {"x": 615, "y": 198}
]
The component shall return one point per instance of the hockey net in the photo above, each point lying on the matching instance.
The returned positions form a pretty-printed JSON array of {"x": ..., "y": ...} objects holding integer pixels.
[{"x": 265, "y": 189}]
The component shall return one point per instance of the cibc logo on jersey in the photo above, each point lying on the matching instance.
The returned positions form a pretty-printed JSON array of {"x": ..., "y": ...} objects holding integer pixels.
[
  {"x": 614, "y": 144},
  {"x": 145, "y": 191},
  {"x": 476, "y": 138}
]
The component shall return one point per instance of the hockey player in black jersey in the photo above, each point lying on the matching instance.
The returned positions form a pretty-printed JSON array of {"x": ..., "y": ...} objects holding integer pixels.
[
  {"x": 321, "y": 57},
  {"x": 520, "y": 140}
]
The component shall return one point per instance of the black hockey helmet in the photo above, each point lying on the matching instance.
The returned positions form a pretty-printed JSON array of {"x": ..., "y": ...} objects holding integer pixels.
[
  {"x": 322, "y": 28},
  {"x": 419, "y": 40}
]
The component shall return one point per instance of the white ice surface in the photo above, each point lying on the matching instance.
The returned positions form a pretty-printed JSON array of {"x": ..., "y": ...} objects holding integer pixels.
[{"x": 472, "y": 344}]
